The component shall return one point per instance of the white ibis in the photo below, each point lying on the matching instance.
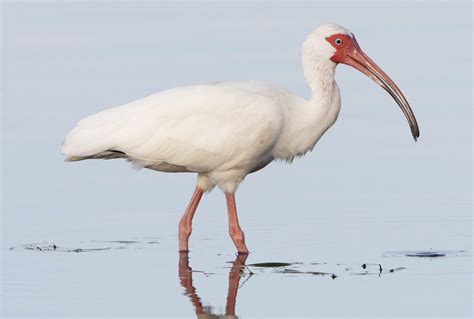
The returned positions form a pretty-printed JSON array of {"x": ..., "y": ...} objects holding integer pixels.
[{"x": 224, "y": 131}]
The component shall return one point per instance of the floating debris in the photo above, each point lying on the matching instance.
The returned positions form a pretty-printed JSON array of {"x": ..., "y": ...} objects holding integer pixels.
[
  {"x": 271, "y": 264},
  {"x": 425, "y": 254},
  {"x": 91, "y": 247},
  {"x": 431, "y": 253},
  {"x": 294, "y": 271},
  {"x": 117, "y": 241}
]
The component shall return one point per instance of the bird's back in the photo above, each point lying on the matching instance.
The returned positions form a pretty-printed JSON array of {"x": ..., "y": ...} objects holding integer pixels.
[{"x": 199, "y": 128}]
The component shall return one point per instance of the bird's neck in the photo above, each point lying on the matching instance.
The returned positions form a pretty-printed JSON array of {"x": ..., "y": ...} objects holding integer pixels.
[
  {"x": 310, "y": 119},
  {"x": 325, "y": 102},
  {"x": 319, "y": 74}
]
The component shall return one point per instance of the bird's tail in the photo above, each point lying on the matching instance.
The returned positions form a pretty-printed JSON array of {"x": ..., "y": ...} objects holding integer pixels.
[{"x": 103, "y": 155}]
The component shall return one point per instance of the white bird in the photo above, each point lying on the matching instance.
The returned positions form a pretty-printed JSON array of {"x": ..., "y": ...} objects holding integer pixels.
[{"x": 224, "y": 131}]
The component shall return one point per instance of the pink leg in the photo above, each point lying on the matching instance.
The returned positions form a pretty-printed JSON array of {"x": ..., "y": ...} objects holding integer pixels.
[
  {"x": 185, "y": 224},
  {"x": 235, "y": 231}
]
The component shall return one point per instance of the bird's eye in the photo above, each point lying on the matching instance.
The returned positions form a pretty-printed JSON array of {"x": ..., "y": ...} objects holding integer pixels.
[{"x": 338, "y": 41}]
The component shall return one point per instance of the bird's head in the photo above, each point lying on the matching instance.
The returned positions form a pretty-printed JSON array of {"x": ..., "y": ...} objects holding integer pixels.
[{"x": 335, "y": 44}]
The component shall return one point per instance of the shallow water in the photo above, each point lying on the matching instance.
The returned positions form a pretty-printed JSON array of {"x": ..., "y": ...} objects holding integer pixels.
[
  {"x": 368, "y": 224},
  {"x": 108, "y": 275}
]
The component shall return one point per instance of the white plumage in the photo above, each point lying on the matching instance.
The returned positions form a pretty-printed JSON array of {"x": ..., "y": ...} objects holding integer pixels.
[
  {"x": 226, "y": 130},
  {"x": 223, "y": 130}
]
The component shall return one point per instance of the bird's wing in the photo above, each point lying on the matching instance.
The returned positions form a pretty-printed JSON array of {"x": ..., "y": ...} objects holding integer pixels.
[
  {"x": 202, "y": 128},
  {"x": 269, "y": 90}
]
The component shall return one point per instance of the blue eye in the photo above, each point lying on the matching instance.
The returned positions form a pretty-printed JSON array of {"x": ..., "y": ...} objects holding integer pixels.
[{"x": 338, "y": 41}]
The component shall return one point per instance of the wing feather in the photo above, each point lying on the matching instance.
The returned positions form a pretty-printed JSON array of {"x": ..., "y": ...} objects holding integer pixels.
[{"x": 201, "y": 128}]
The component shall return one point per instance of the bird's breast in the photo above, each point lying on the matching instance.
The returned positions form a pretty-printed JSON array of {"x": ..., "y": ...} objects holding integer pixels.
[{"x": 305, "y": 123}]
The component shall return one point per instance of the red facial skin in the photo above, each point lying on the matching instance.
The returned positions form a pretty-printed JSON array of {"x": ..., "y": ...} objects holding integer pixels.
[
  {"x": 348, "y": 46},
  {"x": 348, "y": 52}
]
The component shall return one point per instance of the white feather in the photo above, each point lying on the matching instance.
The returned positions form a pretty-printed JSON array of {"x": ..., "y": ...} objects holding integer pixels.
[{"x": 223, "y": 130}]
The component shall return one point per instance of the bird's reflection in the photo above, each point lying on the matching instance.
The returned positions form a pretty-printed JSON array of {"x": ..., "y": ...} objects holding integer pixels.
[{"x": 186, "y": 280}]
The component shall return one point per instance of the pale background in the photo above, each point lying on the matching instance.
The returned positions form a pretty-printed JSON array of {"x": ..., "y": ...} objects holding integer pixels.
[{"x": 365, "y": 190}]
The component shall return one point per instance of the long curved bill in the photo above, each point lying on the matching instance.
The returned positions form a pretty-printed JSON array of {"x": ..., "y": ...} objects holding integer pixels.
[{"x": 360, "y": 61}]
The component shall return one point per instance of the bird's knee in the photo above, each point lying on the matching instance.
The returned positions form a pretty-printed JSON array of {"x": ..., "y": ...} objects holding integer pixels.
[
  {"x": 184, "y": 229},
  {"x": 237, "y": 234}
]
